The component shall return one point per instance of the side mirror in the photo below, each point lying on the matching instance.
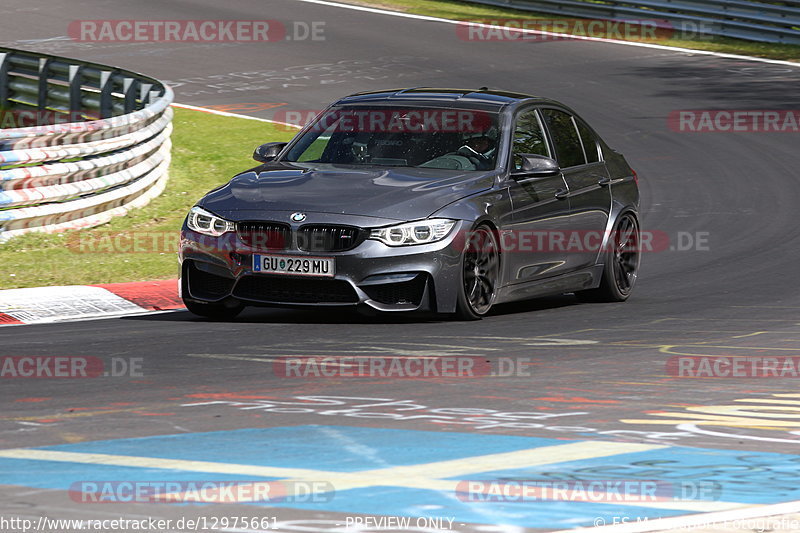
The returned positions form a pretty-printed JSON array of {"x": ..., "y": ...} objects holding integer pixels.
[
  {"x": 267, "y": 152},
  {"x": 535, "y": 166}
]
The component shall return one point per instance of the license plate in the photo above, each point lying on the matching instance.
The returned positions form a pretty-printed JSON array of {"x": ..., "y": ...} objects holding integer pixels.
[{"x": 293, "y": 265}]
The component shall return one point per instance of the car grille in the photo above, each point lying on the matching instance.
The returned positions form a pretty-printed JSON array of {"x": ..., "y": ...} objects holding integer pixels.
[
  {"x": 310, "y": 238},
  {"x": 294, "y": 290},
  {"x": 265, "y": 235},
  {"x": 406, "y": 292},
  {"x": 208, "y": 286},
  {"x": 326, "y": 238}
]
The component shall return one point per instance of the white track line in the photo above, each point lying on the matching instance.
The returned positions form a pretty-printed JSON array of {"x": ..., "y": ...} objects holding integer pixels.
[
  {"x": 234, "y": 115},
  {"x": 710, "y": 520},
  {"x": 555, "y": 34},
  {"x": 91, "y": 318}
]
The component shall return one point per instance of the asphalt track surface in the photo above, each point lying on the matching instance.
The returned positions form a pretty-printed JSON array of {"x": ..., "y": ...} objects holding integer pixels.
[{"x": 597, "y": 377}]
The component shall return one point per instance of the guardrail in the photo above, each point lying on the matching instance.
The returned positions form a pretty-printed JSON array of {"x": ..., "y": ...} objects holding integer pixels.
[
  {"x": 95, "y": 142},
  {"x": 754, "y": 20}
]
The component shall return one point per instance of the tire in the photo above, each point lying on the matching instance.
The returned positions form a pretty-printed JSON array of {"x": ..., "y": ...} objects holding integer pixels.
[
  {"x": 621, "y": 265},
  {"x": 214, "y": 311},
  {"x": 479, "y": 276}
]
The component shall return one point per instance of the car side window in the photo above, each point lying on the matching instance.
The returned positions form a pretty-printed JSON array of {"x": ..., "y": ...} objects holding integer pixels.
[
  {"x": 529, "y": 137},
  {"x": 589, "y": 140},
  {"x": 569, "y": 151}
]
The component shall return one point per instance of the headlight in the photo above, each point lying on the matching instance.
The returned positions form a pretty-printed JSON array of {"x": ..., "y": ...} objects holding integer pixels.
[
  {"x": 421, "y": 232},
  {"x": 202, "y": 221}
]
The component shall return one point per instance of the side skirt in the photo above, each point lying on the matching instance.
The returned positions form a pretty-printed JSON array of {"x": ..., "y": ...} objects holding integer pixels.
[{"x": 588, "y": 278}]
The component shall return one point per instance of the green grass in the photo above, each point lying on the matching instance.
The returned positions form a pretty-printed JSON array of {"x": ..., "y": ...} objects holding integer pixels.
[
  {"x": 459, "y": 10},
  {"x": 207, "y": 151}
]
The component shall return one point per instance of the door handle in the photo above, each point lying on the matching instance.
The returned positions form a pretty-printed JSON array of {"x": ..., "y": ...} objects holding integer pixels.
[
  {"x": 608, "y": 181},
  {"x": 561, "y": 194}
]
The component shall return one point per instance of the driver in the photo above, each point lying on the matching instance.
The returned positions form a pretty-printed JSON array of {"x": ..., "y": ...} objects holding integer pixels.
[
  {"x": 479, "y": 149},
  {"x": 477, "y": 152}
]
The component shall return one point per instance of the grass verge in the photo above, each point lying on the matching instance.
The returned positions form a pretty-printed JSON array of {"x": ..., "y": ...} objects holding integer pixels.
[
  {"x": 207, "y": 151},
  {"x": 458, "y": 10}
]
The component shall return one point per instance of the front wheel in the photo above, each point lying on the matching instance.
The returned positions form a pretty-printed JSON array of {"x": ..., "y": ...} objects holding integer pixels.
[
  {"x": 621, "y": 263},
  {"x": 480, "y": 274},
  {"x": 214, "y": 311}
]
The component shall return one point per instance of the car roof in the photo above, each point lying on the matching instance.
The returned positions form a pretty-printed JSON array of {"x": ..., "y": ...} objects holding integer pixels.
[{"x": 434, "y": 96}]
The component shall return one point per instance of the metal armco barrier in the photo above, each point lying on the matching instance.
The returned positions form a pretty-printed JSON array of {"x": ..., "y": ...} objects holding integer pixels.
[
  {"x": 95, "y": 142},
  {"x": 753, "y": 20}
]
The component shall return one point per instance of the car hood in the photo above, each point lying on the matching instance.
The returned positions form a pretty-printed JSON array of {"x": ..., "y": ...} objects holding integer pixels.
[{"x": 390, "y": 193}]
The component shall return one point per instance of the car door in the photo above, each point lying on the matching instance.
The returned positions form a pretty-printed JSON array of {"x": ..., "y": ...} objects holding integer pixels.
[
  {"x": 579, "y": 156},
  {"x": 536, "y": 211}
]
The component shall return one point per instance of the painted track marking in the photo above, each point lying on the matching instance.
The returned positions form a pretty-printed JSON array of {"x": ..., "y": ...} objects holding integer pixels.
[
  {"x": 424, "y": 476},
  {"x": 694, "y": 521}
]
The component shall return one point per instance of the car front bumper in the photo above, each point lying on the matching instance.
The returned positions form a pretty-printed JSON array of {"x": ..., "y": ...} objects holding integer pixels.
[{"x": 385, "y": 278}]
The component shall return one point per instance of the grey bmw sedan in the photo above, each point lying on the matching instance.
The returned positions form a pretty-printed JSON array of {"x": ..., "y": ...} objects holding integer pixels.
[{"x": 444, "y": 200}]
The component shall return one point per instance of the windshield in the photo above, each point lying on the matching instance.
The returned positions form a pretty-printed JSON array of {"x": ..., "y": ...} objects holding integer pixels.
[{"x": 446, "y": 138}]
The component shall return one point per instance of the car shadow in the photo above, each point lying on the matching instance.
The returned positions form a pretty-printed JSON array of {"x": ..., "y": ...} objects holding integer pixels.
[
  {"x": 532, "y": 306},
  {"x": 277, "y": 315},
  {"x": 266, "y": 315}
]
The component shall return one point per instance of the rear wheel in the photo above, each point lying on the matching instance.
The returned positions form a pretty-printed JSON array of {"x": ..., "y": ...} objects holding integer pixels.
[
  {"x": 227, "y": 310},
  {"x": 480, "y": 272},
  {"x": 621, "y": 264}
]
